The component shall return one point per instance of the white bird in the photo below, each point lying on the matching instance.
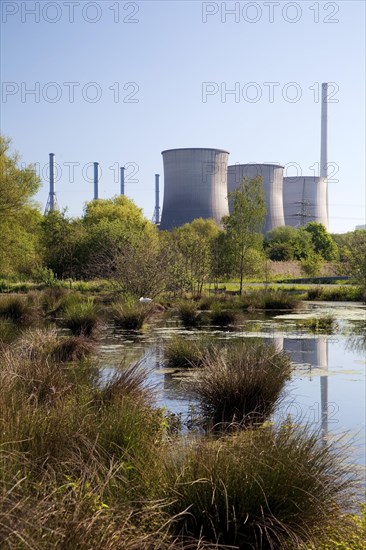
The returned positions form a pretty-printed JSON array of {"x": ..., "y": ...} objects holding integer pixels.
[{"x": 145, "y": 300}]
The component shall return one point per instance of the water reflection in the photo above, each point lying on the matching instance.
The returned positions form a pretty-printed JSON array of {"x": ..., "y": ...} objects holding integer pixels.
[{"x": 327, "y": 387}]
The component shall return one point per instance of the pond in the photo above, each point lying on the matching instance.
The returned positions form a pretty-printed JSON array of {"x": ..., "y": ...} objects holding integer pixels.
[{"x": 327, "y": 387}]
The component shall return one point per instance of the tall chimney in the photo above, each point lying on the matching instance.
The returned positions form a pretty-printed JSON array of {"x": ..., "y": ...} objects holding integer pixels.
[
  {"x": 52, "y": 183},
  {"x": 122, "y": 180},
  {"x": 157, "y": 200},
  {"x": 96, "y": 181},
  {"x": 324, "y": 132}
]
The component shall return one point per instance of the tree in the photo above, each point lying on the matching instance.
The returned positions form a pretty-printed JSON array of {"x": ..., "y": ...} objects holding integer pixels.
[
  {"x": 287, "y": 243},
  {"x": 243, "y": 227},
  {"x": 19, "y": 218},
  {"x": 322, "y": 241},
  {"x": 354, "y": 258}
]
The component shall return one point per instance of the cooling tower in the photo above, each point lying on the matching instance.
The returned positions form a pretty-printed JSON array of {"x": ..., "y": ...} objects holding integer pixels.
[
  {"x": 272, "y": 177},
  {"x": 305, "y": 200},
  {"x": 195, "y": 186}
]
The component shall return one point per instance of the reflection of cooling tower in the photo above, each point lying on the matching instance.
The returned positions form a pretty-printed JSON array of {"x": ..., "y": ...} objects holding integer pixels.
[
  {"x": 305, "y": 200},
  {"x": 312, "y": 351},
  {"x": 195, "y": 186},
  {"x": 272, "y": 178}
]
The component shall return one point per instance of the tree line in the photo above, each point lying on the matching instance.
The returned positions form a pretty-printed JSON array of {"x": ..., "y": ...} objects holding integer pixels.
[{"x": 113, "y": 240}]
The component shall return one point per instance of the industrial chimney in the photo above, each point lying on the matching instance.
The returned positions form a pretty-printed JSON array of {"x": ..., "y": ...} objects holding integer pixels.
[
  {"x": 157, "y": 200},
  {"x": 122, "y": 170},
  {"x": 96, "y": 181},
  {"x": 52, "y": 199},
  {"x": 324, "y": 133}
]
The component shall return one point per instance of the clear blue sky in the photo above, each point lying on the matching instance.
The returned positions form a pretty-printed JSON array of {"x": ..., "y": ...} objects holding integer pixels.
[{"x": 169, "y": 52}]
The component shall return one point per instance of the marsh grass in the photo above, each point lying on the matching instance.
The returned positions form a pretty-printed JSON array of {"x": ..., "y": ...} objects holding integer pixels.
[
  {"x": 20, "y": 309},
  {"x": 130, "y": 316},
  {"x": 81, "y": 318},
  {"x": 241, "y": 383},
  {"x": 341, "y": 293},
  {"x": 325, "y": 324},
  {"x": 189, "y": 314},
  {"x": 181, "y": 353},
  {"x": 8, "y": 331},
  {"x": 266, "y": 488},
  {"x": 224, "y": 317},
  {"x": 53, "y": 299}
]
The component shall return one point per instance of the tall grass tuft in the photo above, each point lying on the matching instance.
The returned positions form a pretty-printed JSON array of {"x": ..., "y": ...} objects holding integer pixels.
[
  {"x": 130, "y": 316},
  {"x": 182, "y": 353},
  {"x": 224, "y": 317},
  {"x": 266, "y": 488},
  {"x": 81, "y": 318},
  {"x": 241, "y": 383},
  {"x": 20, "y": 309},
  {"x": 189, "y": 314},
  {"x": 324, "y": 324}
]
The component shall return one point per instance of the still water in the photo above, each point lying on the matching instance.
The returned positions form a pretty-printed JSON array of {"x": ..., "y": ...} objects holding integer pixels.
[{"x": 327, "y": 387}]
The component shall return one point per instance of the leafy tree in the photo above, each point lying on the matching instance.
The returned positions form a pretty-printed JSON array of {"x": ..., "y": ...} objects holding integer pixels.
[
  {"x": 322, "y": 241},
  {"x": 19, "y": 218},
  {"x": 354, "y": 258},
  {"x": 243, "y": 227},
  {"x": 288, "y": 243},
  {"x": 63, "y": 242}
]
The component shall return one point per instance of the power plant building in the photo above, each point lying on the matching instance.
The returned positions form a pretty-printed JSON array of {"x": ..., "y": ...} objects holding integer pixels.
[
  {"x": 272, "y": 180},
  {"x": 305, "y": 200},
  {"x": 195, "y": 186}
]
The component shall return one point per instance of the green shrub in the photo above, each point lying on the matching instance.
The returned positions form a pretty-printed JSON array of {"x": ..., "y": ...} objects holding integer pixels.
[
  {"x": 325, "y": 324},
  {"x": 224, "y": 317},
  {"x": 19, "y": 309}
]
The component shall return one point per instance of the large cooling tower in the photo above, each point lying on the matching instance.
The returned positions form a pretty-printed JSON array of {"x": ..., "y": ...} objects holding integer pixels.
[
  {"x": 272, "y": 177},
  {"x": 195, "y": 186},
  {"x": 305, "y": 200}
]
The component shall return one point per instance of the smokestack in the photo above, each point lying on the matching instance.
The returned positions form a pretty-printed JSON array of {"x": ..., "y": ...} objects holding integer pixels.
[
  {"x": 324, "y": 132},
  {"x": 157, "y": 200},
  {"x": 96, "y": 181},
  {"x": 52, "y": 183},
  {"x": 122, "y": 180}
]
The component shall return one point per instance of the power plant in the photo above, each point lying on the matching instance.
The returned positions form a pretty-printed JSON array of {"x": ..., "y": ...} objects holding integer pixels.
[
  {"x": 195, "y": 186},
  {"x": 306, "y": 197},
  {"x": 272, "y": 180},
  {"x": 197, "y": 182}
]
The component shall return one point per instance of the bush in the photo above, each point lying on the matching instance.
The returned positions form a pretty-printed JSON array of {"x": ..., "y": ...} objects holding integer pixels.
[
  {"x": 267, "y": 488},
  {"x": 241, "y": 383},
  {"x": 81, "y": 318}
]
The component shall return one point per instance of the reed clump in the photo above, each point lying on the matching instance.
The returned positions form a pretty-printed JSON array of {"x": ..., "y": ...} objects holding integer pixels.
[
  {"x": 81, "y": 318},
  {"x": 266, "y": 488},
  {"x": 241, "y": 383},
  {"x": 130, "y": 316}
]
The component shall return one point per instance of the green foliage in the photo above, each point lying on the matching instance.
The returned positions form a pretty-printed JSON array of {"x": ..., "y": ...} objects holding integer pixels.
[
  {"x": 322, "y": 241},
  {"x": 354, "y": 259},
  {"x": 241, "y": 383},
  {"x": 20, "y": 309},
  {"x": 223, "y": 317},
  {"x": 19, "y": 219},
  {"x": 189, "y": 313},
  {"x": 244, "y": 225},
  {"x": 288, "y": 243},
  {"x": 312, "y": 264}
]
